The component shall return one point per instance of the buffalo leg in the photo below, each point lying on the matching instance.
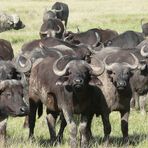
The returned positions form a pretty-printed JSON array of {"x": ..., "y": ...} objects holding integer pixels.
[
  {"x": 134, "y": 101},
  {"x": 61, "y": 130},
  {"x": 142, "y": 102},
  {"x": 89, "y": 133},
  {"x": 26, "y": 124},
  {"x": 72, "y": 128},
  {"x": 66, "y": 23},
  {"x": 3, "y": 125},
  {"x": 88, "y": 128},
  {"x": 32, "y": 117},
  {"x": 107, "y": 127},
  {"x": 51, "y": 120},
  {"x": 124, "y": 125},
  {"x": 84, "y": 142}
]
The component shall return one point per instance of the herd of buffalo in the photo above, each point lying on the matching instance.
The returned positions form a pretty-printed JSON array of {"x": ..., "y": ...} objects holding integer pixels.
[{"x": 85, "y": 73}]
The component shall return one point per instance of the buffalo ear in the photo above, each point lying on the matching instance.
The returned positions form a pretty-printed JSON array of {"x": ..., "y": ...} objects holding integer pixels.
[
  {"x": 95, "y": 81},
  {"x": 109, "y": 42},
  {"x": 76, "y": 42},
  {"x": 62, "y": 81}
]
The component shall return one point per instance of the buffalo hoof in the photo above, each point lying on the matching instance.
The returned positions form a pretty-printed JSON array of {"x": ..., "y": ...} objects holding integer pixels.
[
  {"x": 31, "y": 139},
  {"x": 25, "y": 125},
  {"x": 125, "y": 141},
  {"x": 143, "y": 112},
  {"x": 106, "y": 141}
]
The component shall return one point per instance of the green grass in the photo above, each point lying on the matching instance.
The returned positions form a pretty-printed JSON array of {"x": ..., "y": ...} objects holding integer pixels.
[{"x": 120, "y": 15}]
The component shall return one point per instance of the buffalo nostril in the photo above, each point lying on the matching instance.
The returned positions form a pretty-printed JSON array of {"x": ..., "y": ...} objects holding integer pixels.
[
  {"x": 22, "y": 109},
  {"x": 78, "y": 80},
  {"x": 122, "y": 83}
]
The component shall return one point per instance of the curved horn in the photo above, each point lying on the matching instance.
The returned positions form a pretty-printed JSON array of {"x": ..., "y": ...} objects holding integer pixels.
[
  {"x": 108, "y": 66},
  {"x": 65, "y": 38},
  {"x": 60, "y": 72},
  {"x": 143, "y": 53},
  {"x": 142, "y": 21},
  {"x": 59, "y": 29},
  {"x": 43, "y": 32},
  {"x": 91, "y": 49},
  {"x": 135, "y": 65},
  {"x": 57, "y": 10},
  {"x": 98, "y": 70},
  {"x": 6, "y": 83},
  {"x": 25, "y": 65},
  {"x": 97, "y": 39},
  {"x": 45, "y": 50},
  {"x": 23, "y": 79},
  {"x": 78, "y": 30}
]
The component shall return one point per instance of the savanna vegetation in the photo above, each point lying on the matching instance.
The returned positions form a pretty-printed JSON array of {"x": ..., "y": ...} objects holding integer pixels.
[{"x": 120, "y": 15}]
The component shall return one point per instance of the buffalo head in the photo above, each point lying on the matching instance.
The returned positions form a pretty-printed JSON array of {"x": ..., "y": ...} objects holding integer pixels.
[
  {"x": 13, "y": 99},
  {"x": 76, "y": 75},
  {"x": 16, "y": 22},
  {"x": 48, "y": 15},
  {"x": 52, "y": 28},
  {"x": 120, "y": 72}
]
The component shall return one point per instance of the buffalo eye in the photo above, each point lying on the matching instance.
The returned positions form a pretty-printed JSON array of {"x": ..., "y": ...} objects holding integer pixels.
[
  {"x": 109, "y": 72},
  {"x": 8, "y": 94}
]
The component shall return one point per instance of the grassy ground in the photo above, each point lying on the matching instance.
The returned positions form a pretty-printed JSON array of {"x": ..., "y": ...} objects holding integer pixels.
[{"x": 120, "y": 15}]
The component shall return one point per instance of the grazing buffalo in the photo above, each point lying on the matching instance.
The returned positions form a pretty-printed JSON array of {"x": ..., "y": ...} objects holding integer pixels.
[
  {"x": 52, "y": 28},
  {"x": 116, "y": 89},
  {"x": 128, "y": 39},
  {"x": 144, "y": 28},
  {"x": 93, "y": 37},
  {"x": 6, "y": 51},
  {"x": 63, "y": 84},
  {"x": 13, "y": 102},
  {"x": 8, "y": 22},
  {"x": 62, "y": 11}
]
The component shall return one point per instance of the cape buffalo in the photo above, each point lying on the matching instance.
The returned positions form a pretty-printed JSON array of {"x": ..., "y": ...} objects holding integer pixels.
[
  {"x": 6, "y": 51},
  {"x": 64, "y": 85},
  {"x": 52, "y": 28},
  {"x": 116, "y": 89},
  {"x": 13, "y": 96},
  {"x": 144, "y": 28},
  {"x": 8, "y": 22},
  {"x": 62, "y": 11}
]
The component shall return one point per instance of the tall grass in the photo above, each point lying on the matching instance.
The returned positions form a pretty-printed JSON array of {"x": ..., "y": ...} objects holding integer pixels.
[{"x": 120, "y": 15}]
